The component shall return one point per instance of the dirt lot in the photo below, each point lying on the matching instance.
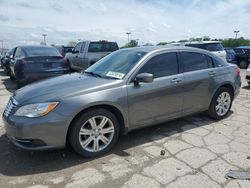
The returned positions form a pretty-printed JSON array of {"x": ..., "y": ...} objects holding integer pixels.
[{"x": 198, "y": 153}]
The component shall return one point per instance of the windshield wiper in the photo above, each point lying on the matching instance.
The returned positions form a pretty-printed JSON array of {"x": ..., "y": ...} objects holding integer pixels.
[{"x": 93, "y": 74}]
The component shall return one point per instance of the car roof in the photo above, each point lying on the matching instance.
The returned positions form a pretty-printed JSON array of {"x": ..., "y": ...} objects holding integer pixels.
[
  {"x": 148, "y": 49},
  {"x": 34, "y": 46},
  {"x": 102, "y": 41},
  {"x": 203, "y": 42}
]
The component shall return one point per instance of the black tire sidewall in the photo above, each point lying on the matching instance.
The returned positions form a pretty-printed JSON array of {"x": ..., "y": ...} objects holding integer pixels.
[
  {"x": 77, "y": 124},
  {"x": 212, "y": 108}
]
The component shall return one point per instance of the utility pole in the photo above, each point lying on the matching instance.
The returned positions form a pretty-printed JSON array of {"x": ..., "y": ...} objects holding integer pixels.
[
  {"x": 44, "y": 38},
  {"x": 128, "y": 33},
  {"x": 236, "y": 33}
]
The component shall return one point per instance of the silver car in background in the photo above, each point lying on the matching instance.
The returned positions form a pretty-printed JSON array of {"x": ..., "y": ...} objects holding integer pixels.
[{"x": 128, "y": 89}]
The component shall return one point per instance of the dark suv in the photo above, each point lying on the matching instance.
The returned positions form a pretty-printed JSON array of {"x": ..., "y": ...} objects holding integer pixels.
[{"x": 242, "y": 56}]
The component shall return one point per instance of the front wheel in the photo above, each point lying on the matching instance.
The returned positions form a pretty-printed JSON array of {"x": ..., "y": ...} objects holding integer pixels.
[
  {"x": 94, "y": 132},
  {"x": 221, "y": 103}
]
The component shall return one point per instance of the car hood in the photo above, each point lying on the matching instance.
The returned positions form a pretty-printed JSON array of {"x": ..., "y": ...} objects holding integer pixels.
[{"x": 62, "y": 86}]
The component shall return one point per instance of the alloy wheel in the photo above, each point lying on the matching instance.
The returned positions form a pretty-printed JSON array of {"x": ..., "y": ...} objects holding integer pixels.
[
  {"x": 96, "y": 133},
  {"x": 223, "y": 103}
]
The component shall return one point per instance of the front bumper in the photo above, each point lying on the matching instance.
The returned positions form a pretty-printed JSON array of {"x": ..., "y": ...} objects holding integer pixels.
[{"x": 47, "y": 132}]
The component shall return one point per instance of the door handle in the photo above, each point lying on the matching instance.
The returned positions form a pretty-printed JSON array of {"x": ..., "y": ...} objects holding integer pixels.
[
  {"x": 176, "y": 80},
  {"x": 212, "y": 73}
]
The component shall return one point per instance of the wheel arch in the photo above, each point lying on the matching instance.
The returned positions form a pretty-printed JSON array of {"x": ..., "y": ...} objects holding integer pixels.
[
  {"x": 117, "y": 112},
  {"x": 226, "y": 85}
]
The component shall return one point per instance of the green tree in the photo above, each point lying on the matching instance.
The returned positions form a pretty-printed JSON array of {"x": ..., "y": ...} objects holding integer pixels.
[
  {"x": 235, "y": 42},
  {"x": 162, "y": 43},
  {"x": 132, "y": 43}
]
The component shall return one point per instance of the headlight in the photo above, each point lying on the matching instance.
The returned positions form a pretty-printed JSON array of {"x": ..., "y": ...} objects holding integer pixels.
[{"x": 36, "y": 110}]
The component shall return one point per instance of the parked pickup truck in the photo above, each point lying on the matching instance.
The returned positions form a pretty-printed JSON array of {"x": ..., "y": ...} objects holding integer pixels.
[{"x": 86, "y": 53}]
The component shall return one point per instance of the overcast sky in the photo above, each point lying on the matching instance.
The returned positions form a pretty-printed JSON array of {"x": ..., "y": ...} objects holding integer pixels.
[{"x": 24, "y": 21}]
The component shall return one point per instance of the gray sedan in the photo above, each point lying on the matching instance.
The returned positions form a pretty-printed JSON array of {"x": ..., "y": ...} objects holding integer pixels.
[{"x": 126, "y": 90}]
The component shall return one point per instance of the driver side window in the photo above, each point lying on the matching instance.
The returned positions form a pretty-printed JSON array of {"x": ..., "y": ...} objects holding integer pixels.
[{"x": 161, "y": 65}]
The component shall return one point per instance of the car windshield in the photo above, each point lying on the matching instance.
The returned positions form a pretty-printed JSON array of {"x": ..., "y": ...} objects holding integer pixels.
[
  {"x": 41, "y": 51},
  {"x": 214, "y": 47},
  {"x": 116, "y": 65}
]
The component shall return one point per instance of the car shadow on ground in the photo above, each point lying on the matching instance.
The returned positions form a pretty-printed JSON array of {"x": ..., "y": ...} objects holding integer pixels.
[
  {"x": 16, "y": 162},
  {"x": 9, "y": 84},
  {"x": 247, "y": 87}
]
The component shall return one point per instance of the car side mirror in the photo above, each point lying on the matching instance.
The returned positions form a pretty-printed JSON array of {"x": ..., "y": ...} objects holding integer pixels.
[{"x": 144, "y": 77}]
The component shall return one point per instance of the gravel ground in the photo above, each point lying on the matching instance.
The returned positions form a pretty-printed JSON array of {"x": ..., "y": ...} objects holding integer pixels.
[{"x": 198, "y": 153}]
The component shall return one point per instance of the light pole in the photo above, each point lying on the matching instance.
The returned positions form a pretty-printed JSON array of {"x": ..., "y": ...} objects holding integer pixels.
[
  {"x": 44, "y": 38},
  {"x": 128, "y": 33},
  {"x": 236, "y": 33}
]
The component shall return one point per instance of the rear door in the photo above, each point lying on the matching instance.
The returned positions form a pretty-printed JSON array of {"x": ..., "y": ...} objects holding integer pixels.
[
  {"x": 160, "y": 100},
  {"x": 199, "y": 73}
]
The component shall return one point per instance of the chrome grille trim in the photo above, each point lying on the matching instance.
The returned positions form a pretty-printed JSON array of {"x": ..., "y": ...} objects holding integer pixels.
[{"x": 12, "y": 104}]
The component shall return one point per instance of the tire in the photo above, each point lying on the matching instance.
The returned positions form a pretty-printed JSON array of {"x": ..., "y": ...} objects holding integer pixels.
[
  {"x": 243, "y": 64},
  {"x": 84, "y": 144},
  {"x": 213, "y": 111}
]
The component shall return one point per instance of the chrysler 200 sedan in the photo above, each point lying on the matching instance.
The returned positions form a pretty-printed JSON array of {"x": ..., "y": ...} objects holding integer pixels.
[{"x": 126, "y": 90}]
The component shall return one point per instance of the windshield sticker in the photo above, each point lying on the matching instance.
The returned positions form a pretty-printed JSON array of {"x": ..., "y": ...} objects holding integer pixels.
[{"x": 115, "y": 74}]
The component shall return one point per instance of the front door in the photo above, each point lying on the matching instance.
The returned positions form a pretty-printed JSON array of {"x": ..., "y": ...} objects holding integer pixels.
[{"x": 160, "y": 100}]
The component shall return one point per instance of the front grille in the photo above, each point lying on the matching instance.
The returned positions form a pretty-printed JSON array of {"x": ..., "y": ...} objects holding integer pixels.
[{"x": 10, "y": 106}]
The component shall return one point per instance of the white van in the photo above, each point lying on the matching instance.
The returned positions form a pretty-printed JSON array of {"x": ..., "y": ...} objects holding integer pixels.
[{"x": 212, "y": 46}]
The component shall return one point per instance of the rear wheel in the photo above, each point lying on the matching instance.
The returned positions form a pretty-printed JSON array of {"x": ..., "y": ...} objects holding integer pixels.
[
  {"x": 94, "y": 132},
  {"x": 221, "y": 103},
  {"x": 243, "y": 64}
]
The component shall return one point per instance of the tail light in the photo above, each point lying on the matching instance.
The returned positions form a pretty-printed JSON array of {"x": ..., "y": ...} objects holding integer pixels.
[{"x": 237, "y": 71}]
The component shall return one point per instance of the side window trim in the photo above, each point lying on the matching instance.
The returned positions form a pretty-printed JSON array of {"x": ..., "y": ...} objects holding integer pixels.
[{"x": 162, "y": 53}]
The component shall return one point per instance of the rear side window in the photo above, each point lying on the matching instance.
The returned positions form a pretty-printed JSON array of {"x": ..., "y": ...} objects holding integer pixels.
[
  {"x": 194, "y": 61},
  {"x": 161, "y": 65},
  {"x": 102, "y": 47},
  {"x": 210, "y": 62}
]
